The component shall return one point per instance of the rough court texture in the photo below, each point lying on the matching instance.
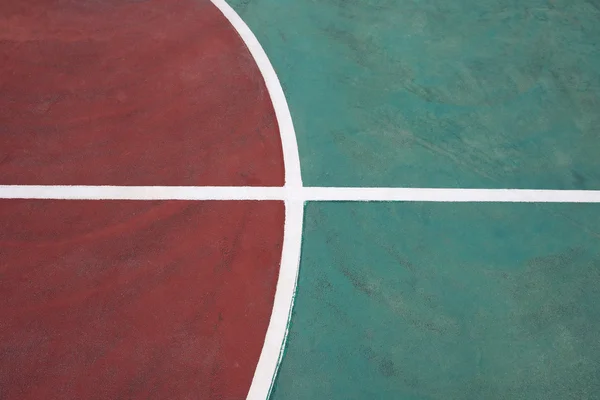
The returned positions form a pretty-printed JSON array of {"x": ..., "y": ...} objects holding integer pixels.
[
  {"x": 131, "y": 93},
  {"x": 442, "y": 301},
  {"x": 111, "y": 300}
]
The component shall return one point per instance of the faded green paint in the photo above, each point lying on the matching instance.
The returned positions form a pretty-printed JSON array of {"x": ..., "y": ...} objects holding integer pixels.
[
  {"x": 438, "y": 93},
  {"x": 446, "y": 301}
]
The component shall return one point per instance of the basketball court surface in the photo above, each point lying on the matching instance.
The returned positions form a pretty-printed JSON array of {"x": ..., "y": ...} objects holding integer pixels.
[{"x": 294, "y": 199}]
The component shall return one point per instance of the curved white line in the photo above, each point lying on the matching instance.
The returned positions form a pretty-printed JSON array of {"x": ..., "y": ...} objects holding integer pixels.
[
  {"x": 274, "y": 343},
  {"x": 291, "y": 159}
]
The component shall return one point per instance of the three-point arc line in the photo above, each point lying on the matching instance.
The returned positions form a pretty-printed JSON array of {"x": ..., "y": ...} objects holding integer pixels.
[
  {"x": 274, "y": 343},
  {"x": 295, "y": 195}
]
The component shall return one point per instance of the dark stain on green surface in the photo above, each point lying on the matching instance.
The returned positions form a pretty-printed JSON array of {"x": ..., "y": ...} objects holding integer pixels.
[
  {"x": 595, "y": 3},
  {"x": 563, "y": 284},
  {"x": 357, "y": 281},
  {"x": 387, "y": 368}
]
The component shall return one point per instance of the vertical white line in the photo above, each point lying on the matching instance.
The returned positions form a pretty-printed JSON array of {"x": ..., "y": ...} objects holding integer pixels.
[{"x": 270, "y": 357}]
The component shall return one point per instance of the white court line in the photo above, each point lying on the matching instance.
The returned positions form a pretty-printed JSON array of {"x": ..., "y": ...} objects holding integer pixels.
[
  {"x": 301, "y": 194},
  {"x": 274, "y": 345},
  {"x": 270, "y": 357},
  {"x": 450, "y": 195},
  {"x": 141, "y": 192}
]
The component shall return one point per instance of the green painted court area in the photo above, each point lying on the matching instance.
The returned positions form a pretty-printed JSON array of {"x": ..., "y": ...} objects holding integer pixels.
[
  {"x": 424, "y": 301},
  {"x": 427, "y": 301},
  {"x": 439, "y": 93}
]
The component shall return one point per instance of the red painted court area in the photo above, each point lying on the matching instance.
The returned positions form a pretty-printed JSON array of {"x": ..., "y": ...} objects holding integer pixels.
[
  {"x": 131, "y": 93},
  {"x": 104, "y": 299},
  {"x": 133, "y": 299}
]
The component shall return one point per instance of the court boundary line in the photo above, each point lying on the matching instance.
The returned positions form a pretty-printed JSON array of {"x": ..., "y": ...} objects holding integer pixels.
[
  {"x": 273, "y": 347},
  {"x": 300, "y": 194}
]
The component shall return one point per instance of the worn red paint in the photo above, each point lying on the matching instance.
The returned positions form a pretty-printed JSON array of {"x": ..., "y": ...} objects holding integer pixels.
[
  {"x": 110, "y": 300},
  {"x": 131, "y": 93}
]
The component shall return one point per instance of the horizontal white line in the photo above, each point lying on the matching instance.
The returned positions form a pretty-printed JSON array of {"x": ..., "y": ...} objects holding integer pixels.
[
  {"x": 141, "y": 192},
  {"x": 298, "y": 194},
  {"x": 452, "y": 195}
]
